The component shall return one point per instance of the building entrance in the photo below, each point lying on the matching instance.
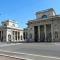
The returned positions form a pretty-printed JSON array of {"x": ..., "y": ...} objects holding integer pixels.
[
  {"x": 42, "y": 34},
  {"x": 48, "y": 33},
  {"x": 36, "y": 33},
  {"x": 1, "y": 36}
]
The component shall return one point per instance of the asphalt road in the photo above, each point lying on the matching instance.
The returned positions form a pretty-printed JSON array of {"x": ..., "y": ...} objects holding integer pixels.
[{"x": 34, "y": 51}]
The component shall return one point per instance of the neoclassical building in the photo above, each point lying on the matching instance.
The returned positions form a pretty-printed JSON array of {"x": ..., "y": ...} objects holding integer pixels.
[
  {"x": 10, "y": 32},
  {"x": 45, "y": 28}
]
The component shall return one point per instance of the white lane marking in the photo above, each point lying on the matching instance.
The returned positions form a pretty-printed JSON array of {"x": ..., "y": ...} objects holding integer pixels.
[
  {"x": 10, "y": 44},
  {"x": 57, "y": 43},
  {"x": 14, "y": 57},
  {"x": 50, "y": 57}
]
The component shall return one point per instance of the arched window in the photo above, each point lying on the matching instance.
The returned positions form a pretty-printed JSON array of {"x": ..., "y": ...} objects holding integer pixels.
[{"x": 44, "y": 16}]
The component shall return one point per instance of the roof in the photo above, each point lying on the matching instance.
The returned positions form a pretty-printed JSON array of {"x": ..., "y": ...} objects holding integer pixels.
[
  {"x": 42, "y": 11},
  {"x": 8, "y": 20},
  {"x": 50, "y": 18}
]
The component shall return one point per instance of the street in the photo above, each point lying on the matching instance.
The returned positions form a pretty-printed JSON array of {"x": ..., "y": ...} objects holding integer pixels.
[{"x": 34, "y": 51}]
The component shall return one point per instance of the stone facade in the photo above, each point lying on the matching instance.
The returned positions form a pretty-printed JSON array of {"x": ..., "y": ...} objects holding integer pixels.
[
  {"x": 45, "y": 28},
  {"x": 10, "y": 32}
]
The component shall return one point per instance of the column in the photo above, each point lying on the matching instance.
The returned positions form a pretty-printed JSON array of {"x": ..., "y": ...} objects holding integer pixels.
[
  {"x": 45, "y": 32},
  {"x": 52, "y": 31},
  {"x": 39, "y": 33},
  {"x": 33, "y": 34},
  {"x": 14, "y": 35},
  {"x": 17, "y": 35}
]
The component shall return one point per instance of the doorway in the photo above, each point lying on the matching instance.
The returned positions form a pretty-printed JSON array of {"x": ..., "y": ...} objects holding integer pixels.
[
  {"x": 48, "y": 33},
  {"x": 1, "y": 36},
  {"x": 42, "y": 34},
  {"x": 36, "y": 33}
]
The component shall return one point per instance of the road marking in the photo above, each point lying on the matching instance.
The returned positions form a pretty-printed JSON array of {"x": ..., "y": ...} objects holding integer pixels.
[
  {"x": 57, "y": 43},
  {"x": 50, "y": 57},
  {"x": 15, "y": 57}
]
